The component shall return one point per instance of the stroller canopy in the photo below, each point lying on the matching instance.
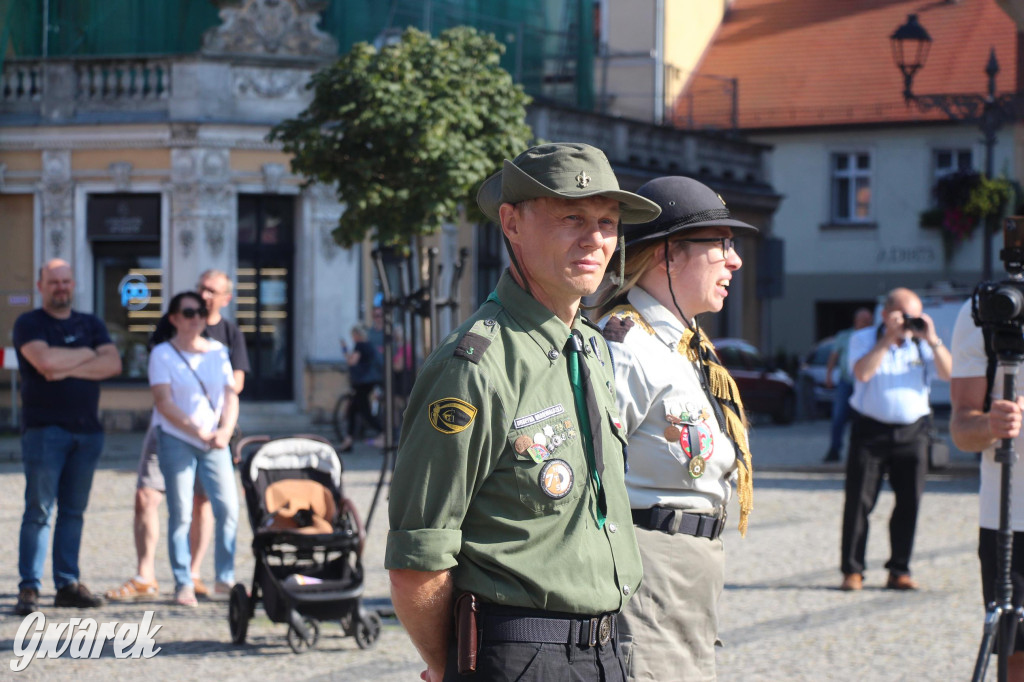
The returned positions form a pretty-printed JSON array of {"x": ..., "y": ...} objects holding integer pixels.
[{"x": 297, "y": 453}]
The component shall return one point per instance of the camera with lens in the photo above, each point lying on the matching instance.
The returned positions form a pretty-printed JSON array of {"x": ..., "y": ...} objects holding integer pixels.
[
  {"x": 998, "y": 307},
  {"x": 913, "y": 324}
]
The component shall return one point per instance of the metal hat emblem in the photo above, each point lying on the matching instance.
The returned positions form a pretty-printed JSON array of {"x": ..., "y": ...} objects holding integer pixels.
[{"x": 582, "y": 180}]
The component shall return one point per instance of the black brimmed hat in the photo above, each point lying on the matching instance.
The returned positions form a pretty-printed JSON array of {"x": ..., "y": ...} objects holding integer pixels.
[
  {"x": 685, "y": 205},
  {"x": 567, "y": 170}
]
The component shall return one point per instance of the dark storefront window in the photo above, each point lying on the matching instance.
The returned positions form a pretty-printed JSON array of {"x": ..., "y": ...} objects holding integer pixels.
[
  {"x": 263, "y": 292},
  {"x": 124, "y": 231}
]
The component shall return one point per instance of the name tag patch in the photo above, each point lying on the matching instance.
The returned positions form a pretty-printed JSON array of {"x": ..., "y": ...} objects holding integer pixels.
[
  {"x": 451, "y": 415},
  {"x": 538, "y": 417}
]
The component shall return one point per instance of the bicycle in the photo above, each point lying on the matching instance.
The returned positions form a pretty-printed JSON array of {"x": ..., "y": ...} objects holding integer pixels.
[{"x": 340, "y": 415}]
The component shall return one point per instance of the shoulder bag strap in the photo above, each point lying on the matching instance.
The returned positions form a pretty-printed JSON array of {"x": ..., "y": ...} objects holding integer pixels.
[{"x": 196, "y": 375}]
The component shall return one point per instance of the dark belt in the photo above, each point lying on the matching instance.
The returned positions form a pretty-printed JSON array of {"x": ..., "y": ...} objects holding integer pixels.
[
  {"x": 505, "y": 625},
  {"x": 673, "y": 521}
]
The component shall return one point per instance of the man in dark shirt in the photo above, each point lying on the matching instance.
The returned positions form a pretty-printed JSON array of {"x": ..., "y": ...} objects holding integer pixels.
[
  {"x": 62, "y": 355},
  {"x": 216, "y": 289}
]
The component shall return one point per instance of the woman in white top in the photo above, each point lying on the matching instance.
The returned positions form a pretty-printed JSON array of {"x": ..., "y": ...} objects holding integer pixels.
[{"x": 195, "y": 409}]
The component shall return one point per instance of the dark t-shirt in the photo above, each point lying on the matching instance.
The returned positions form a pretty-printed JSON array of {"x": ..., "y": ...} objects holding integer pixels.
[
  {"x": 225, "y": 331},
  {"x": 72, "y": 404},
  {"x": 367, "y": 370},
  {"x": 228, "y": 333}
]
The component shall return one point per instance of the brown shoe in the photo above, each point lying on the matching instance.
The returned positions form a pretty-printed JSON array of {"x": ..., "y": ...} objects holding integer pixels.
[
  {"x": 852, "y": 582},
  {"x": 901, "y": 582}
]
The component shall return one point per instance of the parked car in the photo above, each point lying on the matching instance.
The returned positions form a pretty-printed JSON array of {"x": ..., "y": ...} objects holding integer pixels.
[
  {"x": 764, "y": 389},
  {"x": 815, "y": 396}
]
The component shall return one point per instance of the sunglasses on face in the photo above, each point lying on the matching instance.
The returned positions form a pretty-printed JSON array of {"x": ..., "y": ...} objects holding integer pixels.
[
  {"x": 212, "y": 292},
  {"x": 190, "y": 313},
  {"x": 728, "y": 243}
]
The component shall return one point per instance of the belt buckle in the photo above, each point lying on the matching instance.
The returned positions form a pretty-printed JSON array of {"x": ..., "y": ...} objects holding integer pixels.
[{"x": 600, "y": 630}]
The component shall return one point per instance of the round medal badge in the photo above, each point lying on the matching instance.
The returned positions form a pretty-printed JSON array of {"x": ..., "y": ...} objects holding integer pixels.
[{"x": 556, "y": 478}]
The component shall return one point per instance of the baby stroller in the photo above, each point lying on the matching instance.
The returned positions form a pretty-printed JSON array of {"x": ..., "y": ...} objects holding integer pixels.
[{"x": 307, "y": 542}]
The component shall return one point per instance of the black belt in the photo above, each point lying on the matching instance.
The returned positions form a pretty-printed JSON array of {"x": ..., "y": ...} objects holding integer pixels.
[
  {"x": 673, "y": 521},
  {"x": 505, "y": 625}
]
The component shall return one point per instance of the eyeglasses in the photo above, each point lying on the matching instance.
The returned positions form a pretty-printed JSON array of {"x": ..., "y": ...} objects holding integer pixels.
[
  {"x": 190, "y": 313},
  {"x": 212, "y": 292},
  {"x": 728, "y": 243}
]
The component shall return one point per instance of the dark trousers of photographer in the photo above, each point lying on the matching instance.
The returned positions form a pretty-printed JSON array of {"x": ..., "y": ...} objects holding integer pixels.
[{"x": 878, "y": 449}]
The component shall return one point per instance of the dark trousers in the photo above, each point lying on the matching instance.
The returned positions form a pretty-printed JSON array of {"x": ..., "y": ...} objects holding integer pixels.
[
  {"x": 525, "y": 661},
  {"x": 875, "y": 450},
  {"x": 360, "y": 405}
]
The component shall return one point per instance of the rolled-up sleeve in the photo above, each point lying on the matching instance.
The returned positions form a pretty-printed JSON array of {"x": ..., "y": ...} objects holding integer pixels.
[{"x": 453, "y": 432}]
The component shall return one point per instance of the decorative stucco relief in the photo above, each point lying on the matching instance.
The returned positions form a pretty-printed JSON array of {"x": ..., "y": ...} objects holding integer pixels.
[
  {"x": 58, "y": 201},
  {"x": 277, "y": 28}
]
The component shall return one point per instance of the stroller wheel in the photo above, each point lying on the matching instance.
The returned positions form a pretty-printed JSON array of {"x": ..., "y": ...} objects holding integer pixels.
[
  {"x": 295, "y": 640},
  {"x": 238, "y": 613},
  {"x": 368, "y": 629}
]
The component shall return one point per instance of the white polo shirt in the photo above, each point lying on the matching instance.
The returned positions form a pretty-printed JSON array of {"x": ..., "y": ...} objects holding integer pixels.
[{"x": 898, "y": 392}]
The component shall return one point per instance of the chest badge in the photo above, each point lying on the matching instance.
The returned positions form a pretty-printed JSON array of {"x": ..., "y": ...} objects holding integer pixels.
[
  {"x": 538, "y": 453},
  {"x": 556, "y": 478}
]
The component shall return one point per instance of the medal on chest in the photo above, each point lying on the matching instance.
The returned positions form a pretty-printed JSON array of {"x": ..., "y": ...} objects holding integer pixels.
[{"x": 689, "y": 429}]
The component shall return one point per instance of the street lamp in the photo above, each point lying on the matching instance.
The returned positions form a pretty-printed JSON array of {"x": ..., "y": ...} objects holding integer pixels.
[{"x": 910, "y": 47}]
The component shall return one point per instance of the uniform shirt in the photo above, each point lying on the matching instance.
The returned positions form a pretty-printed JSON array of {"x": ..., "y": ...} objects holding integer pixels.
[
  {"x": 71, "y": 403},
  {"x": 898, "y": 391},
  {"x": 492, "y": 479},
  {"x": 655, "y": 383},
  {"x": 969, "y": 360}
]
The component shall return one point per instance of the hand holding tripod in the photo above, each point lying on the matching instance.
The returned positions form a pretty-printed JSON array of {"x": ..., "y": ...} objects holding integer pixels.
[{"x": 1001, "y": 616}]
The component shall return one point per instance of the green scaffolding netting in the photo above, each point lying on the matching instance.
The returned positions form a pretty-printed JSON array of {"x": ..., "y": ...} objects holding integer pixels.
[{"x": 550, "y": 44}]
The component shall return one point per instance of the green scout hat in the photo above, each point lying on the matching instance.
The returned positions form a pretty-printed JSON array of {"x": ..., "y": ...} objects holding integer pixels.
[{"x": 567, "y": 170}]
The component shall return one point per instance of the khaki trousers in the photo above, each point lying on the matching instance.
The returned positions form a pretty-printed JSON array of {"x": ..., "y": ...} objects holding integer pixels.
[{"x": 668, "y": 629}]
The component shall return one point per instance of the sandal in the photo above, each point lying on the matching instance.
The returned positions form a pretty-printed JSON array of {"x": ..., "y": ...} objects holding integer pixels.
[
  {"x": 199, "y": 587},
  {"x": 186, "y": 596},
  {"x": 133, "y": 590}
]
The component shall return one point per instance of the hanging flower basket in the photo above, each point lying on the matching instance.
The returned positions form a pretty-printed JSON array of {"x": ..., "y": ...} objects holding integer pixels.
[{"x": 963, "y": 200}]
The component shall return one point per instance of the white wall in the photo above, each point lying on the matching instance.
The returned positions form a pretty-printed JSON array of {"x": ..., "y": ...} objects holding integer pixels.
[{"x": 848, "y": 263}]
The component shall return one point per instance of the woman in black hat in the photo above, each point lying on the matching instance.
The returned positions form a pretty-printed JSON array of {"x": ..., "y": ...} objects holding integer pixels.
[{"x": 685, "y": 422}]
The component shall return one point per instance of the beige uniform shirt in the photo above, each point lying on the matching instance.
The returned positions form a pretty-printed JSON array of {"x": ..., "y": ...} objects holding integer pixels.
[{"x": 656, "y": 385}]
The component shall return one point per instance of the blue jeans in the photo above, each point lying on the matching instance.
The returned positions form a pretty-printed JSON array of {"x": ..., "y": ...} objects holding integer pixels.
[
  {"x": 180, "y": 463},
  {"x": 58, "y": 466},
  {"x": 840, "y": 413}
]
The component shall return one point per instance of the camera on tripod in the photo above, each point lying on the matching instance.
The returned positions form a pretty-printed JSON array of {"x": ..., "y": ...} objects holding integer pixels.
[{"x": 998, "y": 307}]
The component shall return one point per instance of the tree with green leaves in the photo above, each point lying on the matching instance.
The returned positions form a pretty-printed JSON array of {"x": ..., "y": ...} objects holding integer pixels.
[{"x": 408, "y": 132}]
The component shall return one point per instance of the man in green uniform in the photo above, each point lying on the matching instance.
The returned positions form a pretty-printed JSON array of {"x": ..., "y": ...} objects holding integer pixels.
[{"x": 508, "y": 489}]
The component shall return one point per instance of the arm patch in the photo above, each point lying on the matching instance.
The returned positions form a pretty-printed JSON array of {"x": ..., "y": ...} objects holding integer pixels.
[
  {"x": 617, "y": 328},
  {"x": 472, "y": 347}
]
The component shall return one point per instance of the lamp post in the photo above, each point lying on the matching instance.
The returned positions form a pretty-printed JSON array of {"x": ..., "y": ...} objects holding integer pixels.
[{"x": 910, "y": 47}]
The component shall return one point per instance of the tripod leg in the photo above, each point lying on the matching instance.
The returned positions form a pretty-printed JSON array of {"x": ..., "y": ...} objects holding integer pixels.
[{"x": 988, "y": 640}]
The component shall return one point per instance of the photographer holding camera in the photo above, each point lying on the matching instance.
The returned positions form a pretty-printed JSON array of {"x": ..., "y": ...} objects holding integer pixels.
[
  {"x": 892, "y": 366},
  {"x": 977, "y": 429}
]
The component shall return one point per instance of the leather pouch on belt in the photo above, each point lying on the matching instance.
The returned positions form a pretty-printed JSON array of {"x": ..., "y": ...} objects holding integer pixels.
[{"x": 467, "y": 634}]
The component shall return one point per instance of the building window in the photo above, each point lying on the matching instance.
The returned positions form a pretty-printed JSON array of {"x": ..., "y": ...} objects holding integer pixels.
[
  {"x": 124, "y": 232},
  {"x": 952, "y": 160},
  {"x": 851, "y": 187}
]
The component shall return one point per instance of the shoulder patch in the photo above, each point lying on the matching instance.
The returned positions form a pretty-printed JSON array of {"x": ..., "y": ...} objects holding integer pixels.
[
  {"x": 472, "y": 347},
  {"x": 450, "y": 415},
  {"x": 616, "y": 328}
]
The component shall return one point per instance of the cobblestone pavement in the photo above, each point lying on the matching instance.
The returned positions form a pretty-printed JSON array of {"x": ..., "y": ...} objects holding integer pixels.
[{"x": 782, "y": 616}]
